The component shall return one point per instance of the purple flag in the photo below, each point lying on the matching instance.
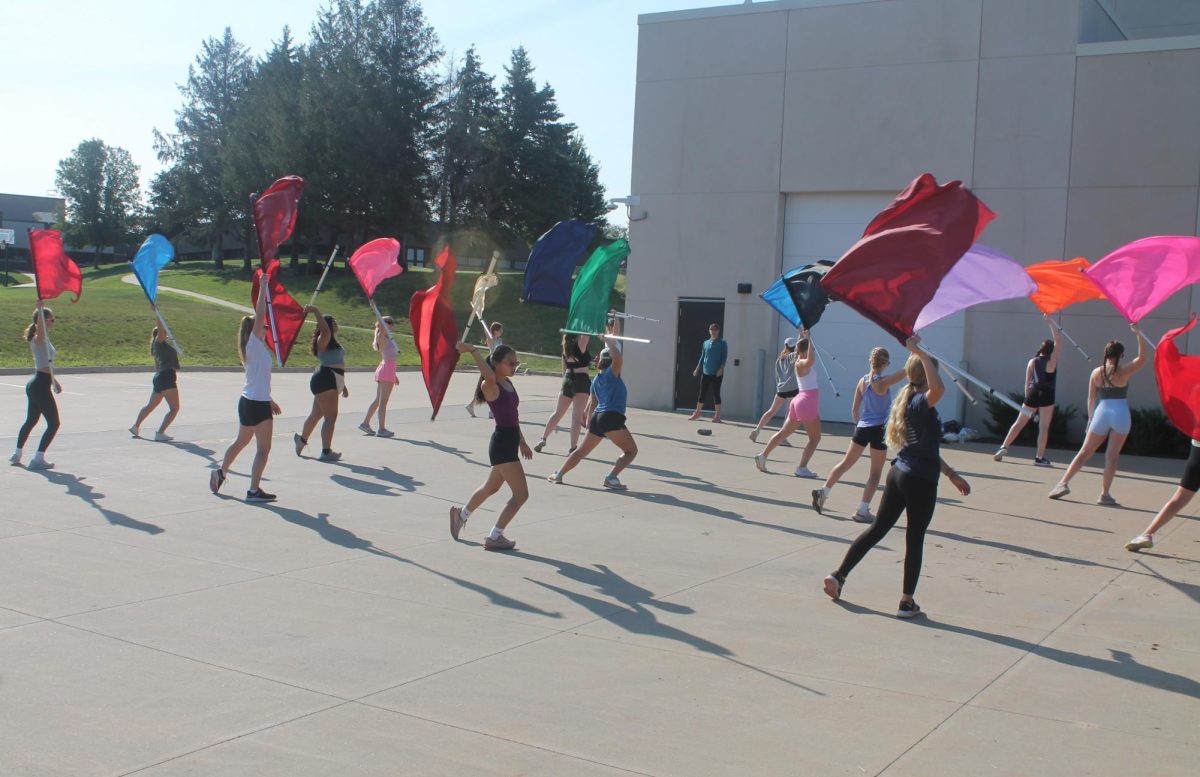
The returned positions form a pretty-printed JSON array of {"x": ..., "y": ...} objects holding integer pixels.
[{"x": 982, "y": 275}]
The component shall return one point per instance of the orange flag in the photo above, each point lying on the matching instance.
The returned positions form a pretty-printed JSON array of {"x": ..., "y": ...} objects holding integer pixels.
[{"x": 1061, "y": 284}]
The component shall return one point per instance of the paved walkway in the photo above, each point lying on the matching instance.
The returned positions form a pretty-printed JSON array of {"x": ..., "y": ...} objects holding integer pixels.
[{"x": 148, "y": 627}]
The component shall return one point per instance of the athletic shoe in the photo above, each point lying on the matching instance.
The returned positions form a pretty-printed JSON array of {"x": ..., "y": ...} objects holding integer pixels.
[
  {"x": 329, "y": 456},
  {"x": 15, "y": 459},
  {"x": 555, "y": 477},
  {"x": 804, "y": 472},
  {"x": 833, "y": 587},
  {"x": 1107, "y": 500},
  {"x": 541, "y": 444},
  {"x": 694, "y": 417},
  {"x": 365, "y": 428},
  {"x": 1140, "y": 542},
  {"x": 1059, "y": 491},
  {"x": 908, "y": 610},
  {"x": 761, "y": 462},
  {"x": 500, "y": 543},
  {"x": 999, "y": 455},
  {"x": 470, "y": 409},
  {"x": 571, "y": 450},
  {"x": 754, "y": 436},
  {"x": 717, "y": 420},
  {"x": 299, "y": 442},
  {"x": 457, "y": 522},
  {"x": 610, "y": 481},
  {"x": 39, "y": 464},
  {"x": 863, "y": 516},
  {"x": 258, "y": 495},
  {"x": 216, "y": 480},
  {"x": 1041, "y": 462},
  {"x": 385, "y": 433},
  {"x": 133, "y": 430},
  {"x": 160, "y": 437},
  {"x": 818, "y": 496}
]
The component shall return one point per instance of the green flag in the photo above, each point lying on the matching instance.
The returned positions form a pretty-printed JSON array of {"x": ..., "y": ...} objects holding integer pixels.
[{"x": 593, "y": 289}]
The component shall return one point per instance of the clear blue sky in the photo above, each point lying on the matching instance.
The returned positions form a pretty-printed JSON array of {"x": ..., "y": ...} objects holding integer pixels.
[{"x": 79, "y": 69}]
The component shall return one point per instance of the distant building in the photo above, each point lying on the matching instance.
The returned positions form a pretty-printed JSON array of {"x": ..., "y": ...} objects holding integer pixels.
[
  {"x": 16, "y": 213},
  {"x": 767, "y": 134}
]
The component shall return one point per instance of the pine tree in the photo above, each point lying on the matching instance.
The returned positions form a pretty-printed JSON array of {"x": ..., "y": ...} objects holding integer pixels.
[{"x": 468, "y": 119}]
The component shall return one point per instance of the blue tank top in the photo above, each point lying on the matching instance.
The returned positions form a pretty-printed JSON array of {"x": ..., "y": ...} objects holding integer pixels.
[
  {"x": 874, "y": 409},
  {"x": 610, "y": 391},
  {"x": 332, "y": 357}
]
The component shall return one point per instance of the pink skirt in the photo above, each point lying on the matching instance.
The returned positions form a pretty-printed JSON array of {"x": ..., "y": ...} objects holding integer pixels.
[
  {"x": 804, "y": 406},
  {"x": 386, "y": 372}
]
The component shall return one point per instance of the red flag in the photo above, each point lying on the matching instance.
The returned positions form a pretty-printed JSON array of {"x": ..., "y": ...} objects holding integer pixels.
[
  {"x": 275, "y": 215},
  {"x": 375, "y": 262},
  {"x": 892, "y": 273},
  {"x": 284, "y": 313},
  {"x": 435, "y": 332},
  {"x": 1179, "y": 382},
  {"x": 54, "y": 271}
]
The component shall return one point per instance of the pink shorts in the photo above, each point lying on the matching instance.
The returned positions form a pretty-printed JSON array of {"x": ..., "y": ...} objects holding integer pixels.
[
  {"x": 386, "y": 372},
  {"x": 804, "y": 406}
]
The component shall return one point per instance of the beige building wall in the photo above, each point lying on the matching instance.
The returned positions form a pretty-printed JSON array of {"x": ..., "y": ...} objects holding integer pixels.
[{"x": 1078, "y": 147}]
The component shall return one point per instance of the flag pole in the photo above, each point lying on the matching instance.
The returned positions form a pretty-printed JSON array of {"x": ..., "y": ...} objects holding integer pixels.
[
  {"x": 379, "y": 318},
  {"x": 163, "y": 323},
  {"x": 265, "y": 287},
  {"x": 968, "y": 376},
  {"x": 1149, "y": 342},
  {"x": 1064, "y": 333},
  {"x": 474, "y": 310},
  {"x": 828, "y": 376},
  {"x": 594, "y": 334},
  {"x": 325, "y": 272}
]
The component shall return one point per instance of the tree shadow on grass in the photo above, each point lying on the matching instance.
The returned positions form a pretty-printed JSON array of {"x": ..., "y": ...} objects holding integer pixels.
[
  {"x": 77, "y": 488},
  {"x": 345, "y": 538}
]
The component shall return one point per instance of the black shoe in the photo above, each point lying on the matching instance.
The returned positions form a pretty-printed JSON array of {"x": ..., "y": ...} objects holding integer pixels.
[
  {"x": 258, "y": 495},
  {"x": 908, "y": 610},
  {"x": 216, "y": 479}
]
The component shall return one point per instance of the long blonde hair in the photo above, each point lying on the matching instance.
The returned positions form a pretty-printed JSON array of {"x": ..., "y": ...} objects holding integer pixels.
[
  {"x": 897, "y": 423},
  {"x": 244, "y": 331}
]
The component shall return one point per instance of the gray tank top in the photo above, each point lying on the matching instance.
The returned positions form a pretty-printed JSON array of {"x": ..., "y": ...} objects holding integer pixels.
[
  {"x": 332, "y": 357},
  {"x": 1112, "y": 392}
]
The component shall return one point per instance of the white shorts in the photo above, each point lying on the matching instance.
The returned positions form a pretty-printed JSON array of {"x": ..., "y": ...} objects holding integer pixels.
[{"x": 1111, "y": 415}]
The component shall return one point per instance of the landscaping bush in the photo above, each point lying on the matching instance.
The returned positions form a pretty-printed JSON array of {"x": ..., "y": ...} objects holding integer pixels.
[
  {"x": 1003, "y": 416},
  {"x": 1153, "y": 434}
]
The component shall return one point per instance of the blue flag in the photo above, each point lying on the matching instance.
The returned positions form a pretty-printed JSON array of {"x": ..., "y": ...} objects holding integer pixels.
[
  {"x": 798, "y": 296},
  {"x": 552, "y": 262},
  {"x": 156, "y": 252},
  {"x": 778, "y": 297}
]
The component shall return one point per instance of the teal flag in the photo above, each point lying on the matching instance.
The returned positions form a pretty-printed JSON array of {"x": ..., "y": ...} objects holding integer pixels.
[{"x": 593, "y": 287}]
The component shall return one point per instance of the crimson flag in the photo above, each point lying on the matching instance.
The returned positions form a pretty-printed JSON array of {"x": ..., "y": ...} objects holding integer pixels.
[
  {"x": 284, "y": 313},
  {"x": 375, "y": 262},
  {"x": 53, "y": 270},
  {"x": 1179, "y": 382},
  {"x": 894, "y": 270},
  {"x": 435, "y": 332},
  {"x": 275, "y": 215}
]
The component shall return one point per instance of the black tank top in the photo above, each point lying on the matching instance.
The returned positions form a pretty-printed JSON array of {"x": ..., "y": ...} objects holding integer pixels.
[
  {"x": 582, "y": 360},
  {"x": 1041, "y": 378}
]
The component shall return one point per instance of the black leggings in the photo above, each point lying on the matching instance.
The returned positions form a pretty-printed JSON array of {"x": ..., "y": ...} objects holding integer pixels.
[
  {"x": 41, "y": 403},
  {"x": 904, "y": 492},
  {"x": 710, "y": 386}
]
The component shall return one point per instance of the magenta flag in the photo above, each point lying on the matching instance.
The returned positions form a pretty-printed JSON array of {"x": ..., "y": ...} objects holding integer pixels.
[
  {"x": 982, "y": 275},
  {"x": 1139, "y": 277},
  {"x": 375, "y": 262},
  {"x": 893, "y": 272}
]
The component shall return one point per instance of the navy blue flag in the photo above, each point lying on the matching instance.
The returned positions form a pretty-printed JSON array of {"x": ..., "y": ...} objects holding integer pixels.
[
  {"x": 552, "y": 262},
  {"x": 805, "y": 289}
]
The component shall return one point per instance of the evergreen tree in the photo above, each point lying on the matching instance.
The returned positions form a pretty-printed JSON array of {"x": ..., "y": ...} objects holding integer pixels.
[
  {"x": 100, "y": 184},
  {"x": 469, "y": 114},
  {"x": 198, "y": 186}
]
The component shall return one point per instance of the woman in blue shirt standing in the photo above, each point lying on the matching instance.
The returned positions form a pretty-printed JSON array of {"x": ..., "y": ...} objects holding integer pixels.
[
  {"x": 914, "y": 427},
  {"x": 711, "y": 370},
  {"x": 607, "y": 417}
]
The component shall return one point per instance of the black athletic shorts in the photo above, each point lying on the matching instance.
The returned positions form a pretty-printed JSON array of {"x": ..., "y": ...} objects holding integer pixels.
[
  {"x": 324, "y": 379},
  {"x": 1191, "y": 473},
  {"x": 164, "y": 380},
  {"x": 252, "y": 412},
  {"x": 600, "y": 424},
  {"x": 1039, "y": 397},
  {"x": 576, "y": 383},
  {"x": 505, "y": 445},
  {"x": 870, "y": 436},
  {"x": 787, "y": 394}
]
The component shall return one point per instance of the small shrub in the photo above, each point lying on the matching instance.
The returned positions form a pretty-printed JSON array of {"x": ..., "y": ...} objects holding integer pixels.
[
  {"x": 1003, "y": 416},
  {"x": 1153, "y": 434}
]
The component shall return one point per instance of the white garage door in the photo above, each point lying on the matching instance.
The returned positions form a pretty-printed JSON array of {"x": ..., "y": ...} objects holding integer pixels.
[{"x": 824, "y": 226}]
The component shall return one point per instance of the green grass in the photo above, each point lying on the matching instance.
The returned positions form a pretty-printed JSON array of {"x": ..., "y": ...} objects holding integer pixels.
[{"x": 110, "y": 325}]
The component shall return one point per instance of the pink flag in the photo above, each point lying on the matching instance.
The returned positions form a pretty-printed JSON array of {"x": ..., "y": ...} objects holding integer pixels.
[
  {"x": 1139, "y": 277},
  {"x": 375, "y": 262}
]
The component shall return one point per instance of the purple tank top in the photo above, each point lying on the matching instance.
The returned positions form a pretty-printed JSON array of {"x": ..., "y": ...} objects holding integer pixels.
[{"x": 504, "y": 409}]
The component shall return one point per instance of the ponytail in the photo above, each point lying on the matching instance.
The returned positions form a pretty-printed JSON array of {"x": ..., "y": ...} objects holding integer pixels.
[{"x": 897, "y": 423}]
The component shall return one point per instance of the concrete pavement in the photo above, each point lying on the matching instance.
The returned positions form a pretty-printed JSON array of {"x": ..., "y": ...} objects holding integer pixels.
[{"x": 148, "y": 627}]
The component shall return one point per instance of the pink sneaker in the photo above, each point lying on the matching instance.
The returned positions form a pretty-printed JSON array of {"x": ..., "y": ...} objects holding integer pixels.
[{"x": 694, "y": 416}]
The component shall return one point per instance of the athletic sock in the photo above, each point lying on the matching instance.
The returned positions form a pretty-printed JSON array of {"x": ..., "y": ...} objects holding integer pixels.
[
  {"x": 825, "y": 490},
  {"x": 496, "y": 533},
  {"x": 864, "y": 507},
  {"x": 18, "y": 452},
  {"x": 464, "y": 513}
]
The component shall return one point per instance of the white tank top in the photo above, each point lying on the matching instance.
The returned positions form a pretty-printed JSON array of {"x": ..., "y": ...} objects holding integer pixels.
[
  {"x": 258, "y": 371},
  {"x": 809, "y": 382}
]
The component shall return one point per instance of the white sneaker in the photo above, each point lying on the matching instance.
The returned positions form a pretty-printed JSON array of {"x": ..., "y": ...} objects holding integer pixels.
[
  {"x": 1140, "y": 542},
  {"x": 133, "y": 430},
  {"x": 365, "y": 428},
  {"x": 754, "y": 436},
  {"x": 555, "y": 477},
  {"x": 863, "y": 516},
  {"x": 160, "y": 437},
  {"x": 804, "y": 472},
  {"x": 40, "y": 464},
  {"x": 760, "y": 462},
  {"x": 470, "y": 409},
  {"x": 610, "y": 481},
  {"x": 999, "y": 455},
  {"x": 15, "y": 459}
]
